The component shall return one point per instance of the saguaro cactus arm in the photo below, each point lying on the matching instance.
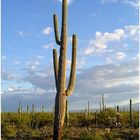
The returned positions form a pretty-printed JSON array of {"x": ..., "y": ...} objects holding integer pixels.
[
  {"x": 55, "y": 64},
  {"x": 57, "y": 38},
  {"x": 73, "y": 67}
]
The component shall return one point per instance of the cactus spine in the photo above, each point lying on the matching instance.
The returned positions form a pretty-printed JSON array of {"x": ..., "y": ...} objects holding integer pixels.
[
  {"x": 60, "y": 72},
  {"x": 131, "y": 117}
]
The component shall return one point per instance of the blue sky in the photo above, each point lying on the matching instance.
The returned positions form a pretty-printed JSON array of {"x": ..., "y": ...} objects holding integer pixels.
[{"x": 107, "y": 60}]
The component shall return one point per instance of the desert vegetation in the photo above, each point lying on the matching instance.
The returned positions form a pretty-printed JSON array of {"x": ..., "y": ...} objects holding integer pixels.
[{"x": 99, "y": 125}]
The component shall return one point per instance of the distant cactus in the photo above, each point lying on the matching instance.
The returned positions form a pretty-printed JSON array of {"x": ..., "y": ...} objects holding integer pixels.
[
  {"x": 19, "y": 109},
  {"x": 27, "y": 109},
  {"x": 117, "y": 108},
  {"x": 33, "y": 108},
  {"x": 103, "y": 102},
  {"x": 123, "y": 109},
  {"x": 88, "y": 109},
  {"x": 131, "y": 116},
  {"x": 100, "y": 106},
  {"x": 42, "y": 108},
  {"x": 60, "y": 72},
  {"x": 118, "y": 118}
]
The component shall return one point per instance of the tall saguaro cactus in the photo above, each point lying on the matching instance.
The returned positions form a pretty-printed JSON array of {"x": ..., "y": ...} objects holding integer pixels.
[{"x": 60, "y": 72}]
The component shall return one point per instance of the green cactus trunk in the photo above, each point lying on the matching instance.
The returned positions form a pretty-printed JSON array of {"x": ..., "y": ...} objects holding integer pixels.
[
  {"x": 118, "y": 118},
  {"x": 60, "y": 72}
]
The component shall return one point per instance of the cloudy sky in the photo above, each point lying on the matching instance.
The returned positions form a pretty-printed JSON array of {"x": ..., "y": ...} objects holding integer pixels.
[{"x": 107, "y": 61}]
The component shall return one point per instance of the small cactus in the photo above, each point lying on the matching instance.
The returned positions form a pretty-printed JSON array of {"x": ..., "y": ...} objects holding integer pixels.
[
  {"x": 88, "y": 109},
  {"x": 103, "y": 102},
  {"x": 42, "y": 108},
  {"x": 118, "y": 118},
  {"x": 131, "y": 115},
  {"x": 33, "y": 108},
  {"x": 100, "y": 106},
  {"x": 27, "y": 109},
  {"x": 19, "y": 109}
]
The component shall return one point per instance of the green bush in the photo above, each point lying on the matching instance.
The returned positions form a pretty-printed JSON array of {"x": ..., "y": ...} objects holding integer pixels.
[
  {"x": 106, "y": 117},
  {"x": 89, "y": 136}
]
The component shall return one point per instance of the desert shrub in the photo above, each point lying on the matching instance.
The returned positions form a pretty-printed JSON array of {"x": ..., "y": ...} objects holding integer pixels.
[
  {"x": 85, "y": 121},
  {"x": 46, "y": 132},
  {"x": 106, "y": 117},
  {"x": 89, "y": 136},
  {"x": 8, "y": 131},
  {"x": 136, "y": 120},
  {"x": 38, "y": 120},
  {"x": 125, "y": 119},
  {"x": 23, "y": 132}
]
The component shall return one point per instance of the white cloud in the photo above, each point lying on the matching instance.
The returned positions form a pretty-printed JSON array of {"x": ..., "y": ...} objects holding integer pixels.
[
  {"x": 132, "y": 32},
  {"x": 32, "y": 65},
  {"x": 23, "y": 33},
  {"x": 134, "y": 4},
  {"x": 16, "y": 62},
  {"x": 113, "y": 80},
  {"x": 89, "y": 50},
  {"x": 106, "y": 1},
  {"x": 8, "y": 75},
  {"x": 79, "y": 64},
  {"x": 69, "y": 1},
  {"x": 3, "y": 57},
  {"x": 47, "y": 46},
  {"x": 40, "y": 57},
  {"x": 101, "y": 40},
  {"x": 120, "y": 55},
  {"x": 14, "y": 88},
  {"x": 47, "y": 31},
  {"x": 109, "y": 60}
]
